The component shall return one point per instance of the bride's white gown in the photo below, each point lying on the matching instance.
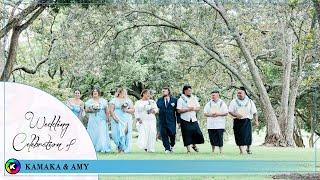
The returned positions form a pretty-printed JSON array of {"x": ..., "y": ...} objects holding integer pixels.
[{"x": 148, "y": 128}]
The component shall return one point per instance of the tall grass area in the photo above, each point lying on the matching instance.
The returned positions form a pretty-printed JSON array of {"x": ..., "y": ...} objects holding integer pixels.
[{"x": 231, "y": 152}]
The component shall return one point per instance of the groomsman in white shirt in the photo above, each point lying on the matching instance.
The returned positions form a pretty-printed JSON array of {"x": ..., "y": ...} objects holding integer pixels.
[
  {"x": 216, "y": 110},
  {"x": 244, "y": 110},
  {"x": 187, "y": 106}
]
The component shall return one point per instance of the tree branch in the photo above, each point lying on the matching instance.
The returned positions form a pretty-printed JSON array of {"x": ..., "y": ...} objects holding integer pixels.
[
  {"x": 15, "y": 7},
  {"x": 199, "y": 65},
  {"x": 142, "y": 25},
  {"x": 32, "y": 18},
  {"x": 133, "y": 93},
  {"x": 210, "y": 51},
  {"x": 33, "y": 71},
  {"x": 154, "y": 15},
  {"x": 220, "y": 10},
  {"x": 269, "y": 56},
  {"x": 15, "y": 21},
  {"x": 304, "y": 119},
  {"x": 164, "y": 41},
  {"x": 246, "y": 53}
]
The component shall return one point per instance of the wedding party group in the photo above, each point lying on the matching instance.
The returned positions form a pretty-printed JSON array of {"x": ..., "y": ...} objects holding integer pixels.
[{"x": 120, "y": 113}]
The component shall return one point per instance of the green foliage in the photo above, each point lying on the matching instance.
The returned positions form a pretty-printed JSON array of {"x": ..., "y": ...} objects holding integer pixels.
[
  {"x": 293, "y": 3},
  {"x": 88, "y": 53},
  {"x": 51, "y": 86},
  {"x": 57, "y": 4}
]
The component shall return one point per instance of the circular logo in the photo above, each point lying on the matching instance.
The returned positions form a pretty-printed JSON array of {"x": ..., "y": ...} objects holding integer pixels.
[{"x": 13, "y": 166}]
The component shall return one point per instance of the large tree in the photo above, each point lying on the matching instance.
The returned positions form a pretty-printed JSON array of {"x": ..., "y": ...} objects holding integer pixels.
[
  {"x": 150, "y": 45},
  {"x": 279, "y": 131}
]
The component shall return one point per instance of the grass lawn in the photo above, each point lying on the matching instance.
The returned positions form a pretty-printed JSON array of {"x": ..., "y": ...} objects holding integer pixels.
[
  {"x": 220, "y": 177},
  {"x": 231, "y": 152}
]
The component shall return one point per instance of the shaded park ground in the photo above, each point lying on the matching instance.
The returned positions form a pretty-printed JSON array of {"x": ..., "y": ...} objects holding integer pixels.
[{"x": 230, "y": 153}]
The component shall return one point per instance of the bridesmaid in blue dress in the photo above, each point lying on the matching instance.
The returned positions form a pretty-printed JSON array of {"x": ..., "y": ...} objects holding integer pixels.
[
  {"x": 121, "y": 110},
  {"x": 76, "y": 104},
  {"x": 97, "y": 109}
]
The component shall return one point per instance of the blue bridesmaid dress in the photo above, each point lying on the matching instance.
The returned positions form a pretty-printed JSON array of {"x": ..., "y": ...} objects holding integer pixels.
[
  {"x": 76, "y": 109},
  {"x": 122, "y": 138},
  {"x": 98, "y": 127}
]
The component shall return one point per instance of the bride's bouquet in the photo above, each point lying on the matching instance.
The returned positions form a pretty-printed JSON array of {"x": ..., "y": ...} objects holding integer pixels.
[
  {"x": 124, "y": 106},
  {"x": 148, "y": 108},
  {"x": 95, "y": 107}
]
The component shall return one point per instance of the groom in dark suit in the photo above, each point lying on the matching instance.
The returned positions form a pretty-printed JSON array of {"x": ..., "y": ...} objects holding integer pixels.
[{"x": 168, "y": 117}]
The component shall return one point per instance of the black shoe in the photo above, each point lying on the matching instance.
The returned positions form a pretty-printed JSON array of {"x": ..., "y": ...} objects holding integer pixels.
[
  {"x": 248, "y": 151},
  {"x": 195, "y": 148}
]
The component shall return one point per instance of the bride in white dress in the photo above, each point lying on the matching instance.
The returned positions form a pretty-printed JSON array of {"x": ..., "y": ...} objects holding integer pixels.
[{"x": 146, "y": 109}]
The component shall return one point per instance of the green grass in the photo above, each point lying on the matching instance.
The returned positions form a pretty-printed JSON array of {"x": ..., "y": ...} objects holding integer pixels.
[
  {"x": 231, "y": 152},
  {"x": 229, "y": 177}
]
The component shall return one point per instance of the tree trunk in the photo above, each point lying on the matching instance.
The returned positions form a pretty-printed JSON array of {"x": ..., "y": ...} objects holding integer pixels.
[
  {"x": 313, "y": 125},
  {"x": 12, "y": 54},
  {"x": 311, "y": 140},
  {"x": 2, "y": 56},
  {"x": 298, "y": 137},
  {"x": 292, "y": 100},
  {"x": 287, "y": 61},
  {"x": 291, "y": 112},
  {"x": 273, "y": 136},
  {"x": 15, "y": 21},
  {"x": 136, "y": 89},
  {"x": 16, "y": 31},
  {"x": 291, "y": 120},
  {"x": 71, "y": 81},
  {"x": 286, "y": 119}
]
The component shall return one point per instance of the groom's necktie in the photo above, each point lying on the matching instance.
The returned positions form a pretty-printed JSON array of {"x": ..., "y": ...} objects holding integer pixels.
[{"x": 166, "y": 102}]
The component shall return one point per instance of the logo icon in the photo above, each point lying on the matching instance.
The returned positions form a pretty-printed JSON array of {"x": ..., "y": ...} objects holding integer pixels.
[{"x": 13, "y": 166}]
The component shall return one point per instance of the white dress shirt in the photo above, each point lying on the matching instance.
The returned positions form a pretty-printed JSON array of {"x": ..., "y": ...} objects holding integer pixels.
[
  {"x": 185, "y": 102},
  {"x": 216, "y": 122},
  {"x": 246, "y": 111}
]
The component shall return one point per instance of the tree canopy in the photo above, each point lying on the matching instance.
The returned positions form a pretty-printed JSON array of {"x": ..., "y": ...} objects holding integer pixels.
[{"x": 268, "y": 47}]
